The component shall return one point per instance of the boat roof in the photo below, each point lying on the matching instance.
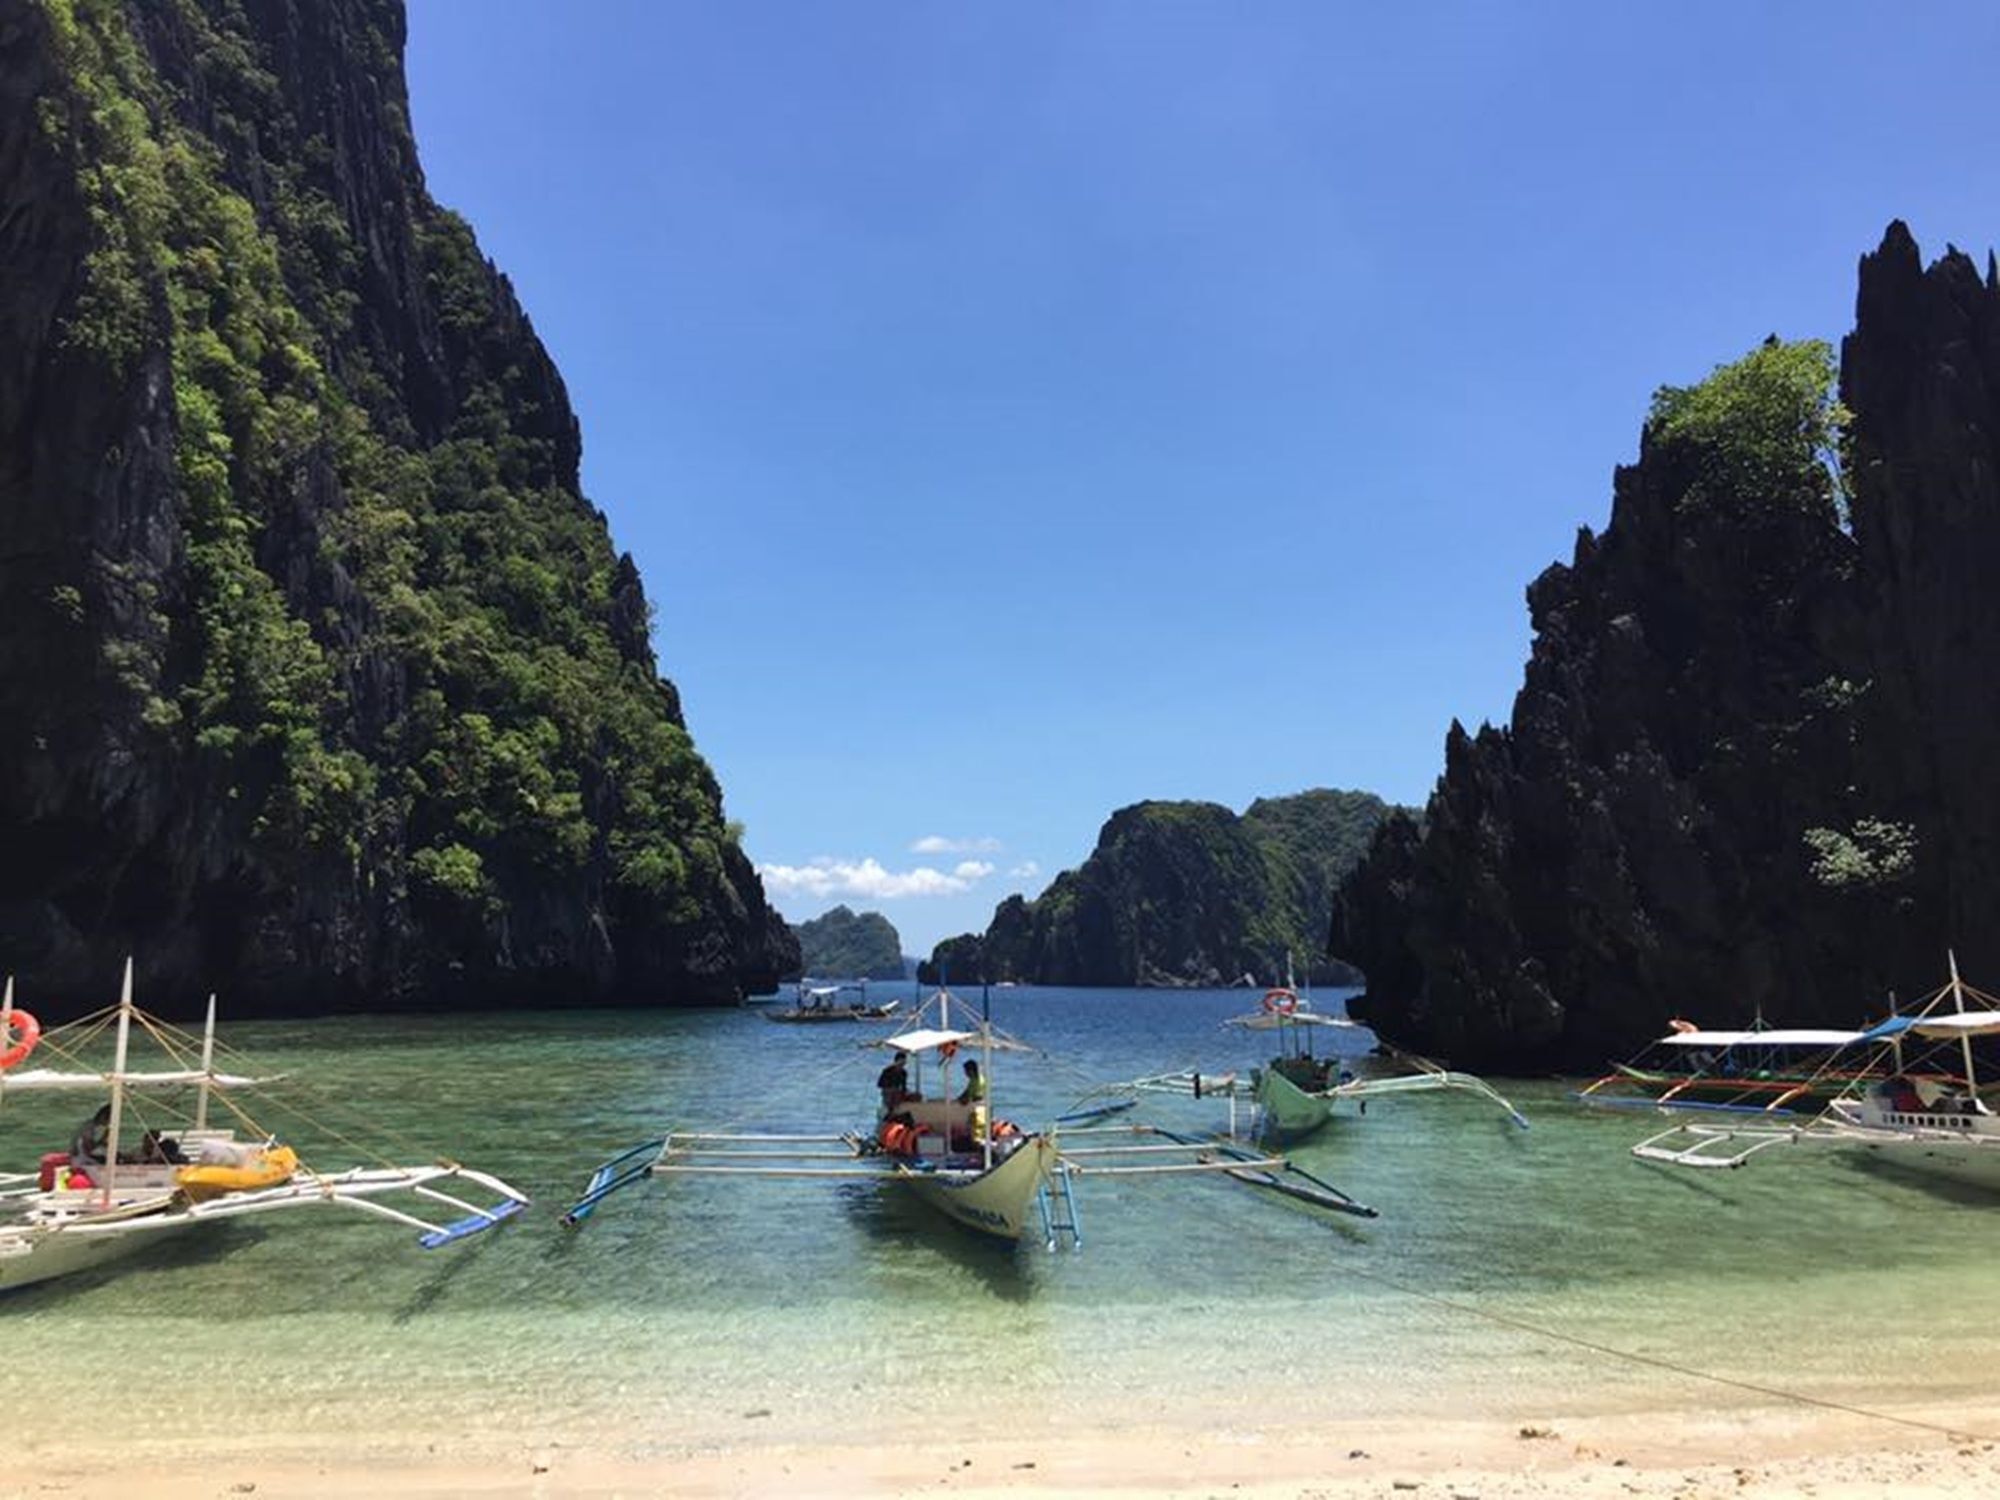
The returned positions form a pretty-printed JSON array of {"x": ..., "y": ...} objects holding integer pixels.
[
  {"x": 1968, "y": 1023},
  {"x": 52, "y": 1079},
  {"x": 926, "y": 1039},
  {"x": 1794, "y": 1038},
  {"x": 1264, "y": 1020}
]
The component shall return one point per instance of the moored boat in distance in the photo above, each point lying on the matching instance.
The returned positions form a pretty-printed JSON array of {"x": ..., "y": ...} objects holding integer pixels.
[
  {"x": 821, "y": 1003},
  {"x": 105, "y": 1198},
  {"x": 1300, "y": 1091}
]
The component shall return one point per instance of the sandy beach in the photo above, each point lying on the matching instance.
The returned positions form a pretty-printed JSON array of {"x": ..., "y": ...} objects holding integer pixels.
[{"x": 1692, "y": 1455}]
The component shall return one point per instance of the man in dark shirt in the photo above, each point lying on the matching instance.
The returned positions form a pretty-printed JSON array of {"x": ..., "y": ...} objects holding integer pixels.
[
  {"x": 894, "y": 1082},
  {"x": 86, "y": 1149}
]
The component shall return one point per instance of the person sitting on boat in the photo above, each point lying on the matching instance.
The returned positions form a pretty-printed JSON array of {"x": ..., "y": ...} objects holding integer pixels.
[
  {"x": 894, "y": 1082},
  {"x": 156, "y": 1150},
  {"x": 86, "y": 1148},
  {"x": 975, "y": 1085}
]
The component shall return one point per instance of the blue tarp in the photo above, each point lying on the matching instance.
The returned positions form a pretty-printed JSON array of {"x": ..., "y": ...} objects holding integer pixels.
[{"x": 1893, "y": 1027}]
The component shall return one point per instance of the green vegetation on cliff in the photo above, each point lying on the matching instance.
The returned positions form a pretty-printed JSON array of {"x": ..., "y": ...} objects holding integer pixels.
[
  {"x": 845, "y": 944},
  {"x": 1183, "y": 893},
  {"x": 371, "y": 626}
]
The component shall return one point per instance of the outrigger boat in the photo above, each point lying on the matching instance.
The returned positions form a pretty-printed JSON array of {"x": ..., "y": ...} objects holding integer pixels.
[
  {"x": 1763, "y": 1070},
  {"x": 77, "y": 1212},
  {"x": 1902, "y": 1110},
  {"x": 1298, "y": 1091},
  {"x": 953, "y": 1153},
  {"x": 822, "y": 1003}
]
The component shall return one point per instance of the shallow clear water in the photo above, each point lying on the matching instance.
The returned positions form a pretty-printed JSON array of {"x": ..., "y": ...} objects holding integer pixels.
[{"x": 696, "y": 1313}]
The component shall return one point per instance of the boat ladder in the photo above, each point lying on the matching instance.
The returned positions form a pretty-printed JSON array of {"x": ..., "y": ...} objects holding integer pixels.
[{"x": 1057, "y": 1200}]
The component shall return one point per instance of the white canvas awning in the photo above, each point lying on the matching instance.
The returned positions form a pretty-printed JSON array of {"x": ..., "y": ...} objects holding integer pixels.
[
  {"x": 1269, "y": 1021},
  {"x": 1794, "y": 1038},
  {"x": 53, "y": 1080},
  {"x": 927, "y": 1039},
  {"x": 1971, "y": 1023}
]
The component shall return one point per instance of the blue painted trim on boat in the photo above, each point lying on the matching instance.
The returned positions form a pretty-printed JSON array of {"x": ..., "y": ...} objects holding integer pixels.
[{"x": 471, "y": 1226}]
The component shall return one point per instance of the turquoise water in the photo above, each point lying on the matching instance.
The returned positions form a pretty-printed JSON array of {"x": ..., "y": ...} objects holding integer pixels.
[{"x": 698, "y": 1313}]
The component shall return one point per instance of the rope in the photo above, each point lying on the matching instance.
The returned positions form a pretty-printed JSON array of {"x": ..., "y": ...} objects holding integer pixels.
[{"x": 1659, "y": 1362}]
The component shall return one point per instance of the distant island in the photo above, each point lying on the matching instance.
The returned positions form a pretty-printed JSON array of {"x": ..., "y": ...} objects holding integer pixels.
[
  {"x": 1183, "y": 894},
  {"x": 846, "y": 944},
  {"x": 1751, "y": 768}
]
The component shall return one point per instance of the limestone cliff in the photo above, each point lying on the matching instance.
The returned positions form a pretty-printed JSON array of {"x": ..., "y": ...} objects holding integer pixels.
[
  {"x": 320, "y": 681},
  {"x": 1749, "y": 766},
  {"x": 846, "y": 944},
  {"x": 1182, "y": 894}
]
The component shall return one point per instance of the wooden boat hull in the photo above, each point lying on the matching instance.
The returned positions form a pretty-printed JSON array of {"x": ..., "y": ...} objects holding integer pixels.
[
  {"x": 46, "y": 1254},
  {"x": 996, "y": 1202},
  {"x": 1290, "y": 1113},
  {"x": 1956, "y": 1161}
]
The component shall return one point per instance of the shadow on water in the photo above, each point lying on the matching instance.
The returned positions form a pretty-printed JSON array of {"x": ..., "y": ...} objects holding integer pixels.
[
  {"x": 1877, "y": 1169},
  {"x": 191, "y": 1250},
  {"x": 428, "y": 1293},
  {"x": 1685, "y": 1180},
  {"x": 895, "y": 1221}
]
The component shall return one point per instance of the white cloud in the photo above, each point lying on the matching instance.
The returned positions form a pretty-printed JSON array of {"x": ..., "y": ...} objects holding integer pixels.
[
  {"x": 1027, "y": 869},
  {"x": 868, "y": 879},
  {"x": 937, "y": 843}
]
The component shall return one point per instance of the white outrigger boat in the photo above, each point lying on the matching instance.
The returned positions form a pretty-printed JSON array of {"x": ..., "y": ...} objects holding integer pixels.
[
  {"x": 953, "y": 1153},
  {"x": 1759, "y": 1071},
  {"x": 821, "y": 1003},
  {"x": 1298, "y": 1091},
  {"x": 1906, "y": 1109},
  {"x": 82, "y": 1210}
]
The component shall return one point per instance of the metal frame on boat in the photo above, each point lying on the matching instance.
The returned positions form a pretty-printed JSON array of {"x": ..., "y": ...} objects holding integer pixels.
[
  {"x": 1900, "y": 1110},
  {"x": 73, "y": 1215}
]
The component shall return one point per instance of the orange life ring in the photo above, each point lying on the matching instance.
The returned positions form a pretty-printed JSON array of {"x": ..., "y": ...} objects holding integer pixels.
[
  {"x": 1280, "y": 1002},
  {"x": 27, "y": 1031}
]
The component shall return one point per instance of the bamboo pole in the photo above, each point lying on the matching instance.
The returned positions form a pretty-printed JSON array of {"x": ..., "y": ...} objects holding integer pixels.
[{"x": 118, "y": 1083}]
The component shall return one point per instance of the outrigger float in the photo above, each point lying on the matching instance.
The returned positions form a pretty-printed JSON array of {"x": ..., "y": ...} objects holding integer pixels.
[
  {"x": 1299, "y": 1092},
  {"x": 82, "y": 1210},
  {"x": 1904, "y": 1109},
  {"x": 953, "y": 1153}
]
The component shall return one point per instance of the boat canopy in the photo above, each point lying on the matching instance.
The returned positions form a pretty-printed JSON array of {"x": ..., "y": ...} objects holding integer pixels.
[
  {"x": 1263, "y": 1020},
  {"x": 1796, "y": 1038},
  {"x": 927, "y": 1039},
  {"x": 1968, "y": 1023},
  {"x": 52, "y": 1079}
]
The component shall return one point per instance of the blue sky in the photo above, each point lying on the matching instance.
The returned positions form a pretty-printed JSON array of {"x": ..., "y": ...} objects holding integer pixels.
[{"x": 1021, "y": 410}]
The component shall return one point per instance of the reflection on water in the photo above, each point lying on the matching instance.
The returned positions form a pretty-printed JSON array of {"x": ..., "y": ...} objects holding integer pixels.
[{"x": 684, "y": 1305}]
